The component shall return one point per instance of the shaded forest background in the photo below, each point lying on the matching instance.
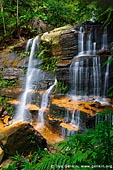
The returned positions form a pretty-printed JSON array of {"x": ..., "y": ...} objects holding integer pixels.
[{"x": 19, "y": 18}]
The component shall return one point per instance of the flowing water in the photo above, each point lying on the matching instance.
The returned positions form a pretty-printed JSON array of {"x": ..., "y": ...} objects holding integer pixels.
[
  {"x": 23, "y": 114},
  {"x": 94, "y": 48},
  {"x": 44, "y": 103},
  {"x": 86, "y": 68},
  {"x": 76, "y": 118},
  {"x": 105, "y": 40},
  {"x": 86, "y": 76},
  {"x": 74, "y": 121},
  {"x": 89, "y": 44},
  {"x": 81, "y": 41},
  {"x": 106, "y": 77}
]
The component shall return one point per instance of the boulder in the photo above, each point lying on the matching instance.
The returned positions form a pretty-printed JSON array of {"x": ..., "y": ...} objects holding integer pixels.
[
  {"x": 21, "y": 138},
  {"x": 1, "y": 154}
]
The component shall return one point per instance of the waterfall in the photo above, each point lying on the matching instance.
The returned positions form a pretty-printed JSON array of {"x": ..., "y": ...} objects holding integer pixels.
[
  {"x": 29, "y": 44},
  {"x": 21, "y": 114},
  {"x": 76, "y": 118},
  {"x": 67, "y": 114},
  {"x": 81, "y": 41},
  {"x": 86, "y": 77},
  {"x": 44, "y": 103},
  {"x": 104, "y": 40},
  {"x": 106, "y": 77},
  {"x": 86, "y": 68},
  {"x": 89, "y": 44},
  {"x": 74, "y": 69},
  {"x": 75, "y": 121},
  {"x": 94, "y": 48},
  {"x": 96, "y": 76}
]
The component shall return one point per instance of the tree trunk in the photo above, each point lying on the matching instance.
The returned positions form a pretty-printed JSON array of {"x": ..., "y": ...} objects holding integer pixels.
[
  {"x": 17, "y": 14},
  {"x": 3, "y": 19}
]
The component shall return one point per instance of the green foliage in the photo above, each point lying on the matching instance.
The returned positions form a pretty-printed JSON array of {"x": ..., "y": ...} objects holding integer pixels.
[
  {"x": 26, "y": 163},
  {"x": 49, "y": 62},
  {"x": 24, "y": 54},
  {"x": 3, "y": 102},
  {"x": 110, "y": 92},
  {"x": 61, "y": 87},
  {"x": 107, "y": 62},
  {"x": 95, "y": 148},
  {"x": 12, "y": 166},
  {"x": 7, "y": 83},
  {"x": 18, "y": 17}
]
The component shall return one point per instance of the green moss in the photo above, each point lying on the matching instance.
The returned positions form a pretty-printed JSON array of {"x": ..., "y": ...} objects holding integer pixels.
[
  {"x": 7, "y": 83},
  {"x": 49, "y": 62},
  {"x": 61, "y": 87},
  {"x": 3, "y": 102}
]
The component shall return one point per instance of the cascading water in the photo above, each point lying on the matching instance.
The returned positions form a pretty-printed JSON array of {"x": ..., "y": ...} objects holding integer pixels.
[
  {"x": 94, "y": 48},
  {"x": 74, "y": 121},
  {"x": 86, "y": 68},
  {"x": 84, "y": 76},
  {"x": 81, "y": 41},
  {"x": 76, "y": 118},
  {"x": 29, "y": 44},
  {"x": 104, "y": 40},
  {"x": 32, "y": 73},
  {"x": 44, "y": 103},
  {"x": 96, "y": 76},
  {"x": 89, "y": 44},
  {"x": 106, "y": 77}
]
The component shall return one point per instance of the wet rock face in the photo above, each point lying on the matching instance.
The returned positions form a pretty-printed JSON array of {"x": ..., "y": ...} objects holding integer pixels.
[
  {"x": 24, "y": 139},
  {"x": 69, "y": 41}
]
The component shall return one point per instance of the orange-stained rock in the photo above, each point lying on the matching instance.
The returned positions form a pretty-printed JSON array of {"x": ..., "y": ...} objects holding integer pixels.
[
  {"x": 6, "y": 119},
  {"x": 21, "y": 138},
  {"x": 15, "y": 102},
  {"x": 32, "y": 107},
  {"x": 51, "y": 137},
  {"x": 63, "y": 63},
  {"x": 17, "y": 89},
  {"x": 1, "y": 124},
  {"x": 57, "y": 119},
  {"x": 72, "y": 105},
  {"x": 70, "y": 126}
]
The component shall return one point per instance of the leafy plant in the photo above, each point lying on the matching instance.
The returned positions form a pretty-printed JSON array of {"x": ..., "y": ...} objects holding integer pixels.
[
  {"x": 7, "y": 83},
  {"x": 24, "y": 54},
  {"x": 49, "y": 62},
  {"x": 25, "y": 163},
  {"x": 93, "y": 149},
  {"x": 61, "y": 87},
  {"x": 11, "y": 166},
  {"x": 3, "y": 102}
]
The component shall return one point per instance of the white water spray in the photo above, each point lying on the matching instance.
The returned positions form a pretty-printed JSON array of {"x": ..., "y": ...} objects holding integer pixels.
[
  {"x": 89, "y": 44},
  {"x": 26, "y": 97},
  {"x": 76, "y": 118},
  {"x": 81, "y": 41},
  {"x": 96, "y": 76},
  {"x": 94, "y": 48},
  {"x": 104, "y": 40},
  {"x": 106, "y": 77},
  {"x": 44, "y": 103}
]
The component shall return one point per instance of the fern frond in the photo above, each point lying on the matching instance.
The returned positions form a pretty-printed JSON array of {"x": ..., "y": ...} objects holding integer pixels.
[{"x": 54, "y": 159}]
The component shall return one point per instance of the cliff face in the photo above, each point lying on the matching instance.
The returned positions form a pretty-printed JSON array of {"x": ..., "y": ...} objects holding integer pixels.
[
  {"x": 63, "y": 43},
  {"x": 66, "y": 42},
  {"x": 82, "y": 52}
]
